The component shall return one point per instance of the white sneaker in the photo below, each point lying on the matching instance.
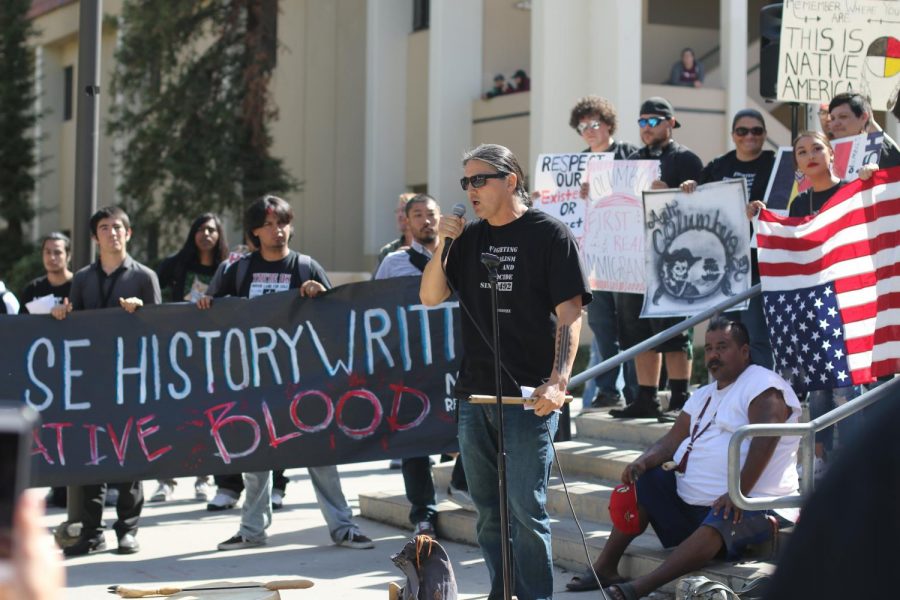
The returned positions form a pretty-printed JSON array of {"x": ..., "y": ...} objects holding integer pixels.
[
  {"x": 221, "y": 501},
  {"x": 202, "y": 490},
  {"x": 163, "y": 493},
  {"x": 277, "y": 499}
]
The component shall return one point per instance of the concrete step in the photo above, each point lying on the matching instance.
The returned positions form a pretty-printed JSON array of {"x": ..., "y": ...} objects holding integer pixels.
[
  {"x": 589, "y": 496},
  {"x": 596, "y": 458},
  {"x": 643, "y": 555},
  {"x": 599, "y": 425}
]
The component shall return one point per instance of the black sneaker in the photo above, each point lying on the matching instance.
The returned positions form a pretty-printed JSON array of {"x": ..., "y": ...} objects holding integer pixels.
[
  {"x": 605, "y": 400},
  {"x": 670, "y": 416},
  {"x": 357, "y": 541},
  {"x": 85, "y": 545},
  {"x": 636, "y": 410}
]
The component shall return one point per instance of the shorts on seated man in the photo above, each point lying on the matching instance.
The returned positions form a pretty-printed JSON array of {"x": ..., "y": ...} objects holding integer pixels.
[{"x": 688, "y": 505}]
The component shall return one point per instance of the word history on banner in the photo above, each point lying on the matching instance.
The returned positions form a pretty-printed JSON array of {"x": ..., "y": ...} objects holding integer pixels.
[{"x": 363, "y": 372}]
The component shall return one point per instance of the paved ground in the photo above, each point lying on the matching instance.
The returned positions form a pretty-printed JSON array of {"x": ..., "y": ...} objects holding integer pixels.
[{"x": 178, "y": 547}]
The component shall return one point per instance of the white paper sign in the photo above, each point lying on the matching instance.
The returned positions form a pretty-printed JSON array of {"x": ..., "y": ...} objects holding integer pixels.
[
  {"x": 558, "y": 180},
  {"x": 697, "y": 248},
  {"x": 613, "y": 247},
  {"x": 832, "y": 46}
]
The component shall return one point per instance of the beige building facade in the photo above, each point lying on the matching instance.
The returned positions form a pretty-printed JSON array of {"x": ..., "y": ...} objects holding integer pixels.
[{"x": 371, "y": 106}]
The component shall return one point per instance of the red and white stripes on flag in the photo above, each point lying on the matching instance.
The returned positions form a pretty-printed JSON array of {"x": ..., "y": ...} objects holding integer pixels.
[{"x": 854, "y": 245}]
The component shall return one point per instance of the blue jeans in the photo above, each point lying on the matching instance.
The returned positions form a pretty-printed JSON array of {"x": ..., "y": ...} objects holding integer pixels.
[
  {"x": 419, "y": 485},
  {"x": 823, "y": 401},
  {"x": 529, "y": 456},
  {"x": 256, "y": 514},
  {"x": 604, "y": 325},
  {"x": 755, "y": 322}
]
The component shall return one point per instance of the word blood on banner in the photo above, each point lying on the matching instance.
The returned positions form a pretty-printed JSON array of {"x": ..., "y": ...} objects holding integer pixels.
[{"x": 362, "y": 372}]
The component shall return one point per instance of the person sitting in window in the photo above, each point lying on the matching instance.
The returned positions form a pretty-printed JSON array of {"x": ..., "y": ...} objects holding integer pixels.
[
  {"x": 500, "y": 87},
  {"x": 687, "y": 71}
]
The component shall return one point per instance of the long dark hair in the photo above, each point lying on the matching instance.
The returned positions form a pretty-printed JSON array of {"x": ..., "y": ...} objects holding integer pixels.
[
  {"x": 502, "y": 159},
  {"x": 188, "y": 253}
]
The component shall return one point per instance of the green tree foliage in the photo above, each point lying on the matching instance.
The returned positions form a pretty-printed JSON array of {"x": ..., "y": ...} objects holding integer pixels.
[
  {"x": 18, "y": 118},
  {"x": 193, "y": 108}
]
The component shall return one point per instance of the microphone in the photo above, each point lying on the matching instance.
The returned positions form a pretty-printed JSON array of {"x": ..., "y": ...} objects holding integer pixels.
[
  {"x": 458, "y": 210},
  {"x": 490, "y": 261}
]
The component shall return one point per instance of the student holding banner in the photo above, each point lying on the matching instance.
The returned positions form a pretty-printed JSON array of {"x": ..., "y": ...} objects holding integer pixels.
[
  {"x": 849, "y": 115},
  {"x": 676, "y": 164},
  {"x": 754, "y": 165},
  {"x": 58, "y": 280},
  {"x": 273, "y": 268},
  {"x": 595, "y": 120},
  {"x": 115, "y": 278}
]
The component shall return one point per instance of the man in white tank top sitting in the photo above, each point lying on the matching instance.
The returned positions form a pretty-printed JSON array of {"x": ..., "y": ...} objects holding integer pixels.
[{"x": 681, "y": 481}]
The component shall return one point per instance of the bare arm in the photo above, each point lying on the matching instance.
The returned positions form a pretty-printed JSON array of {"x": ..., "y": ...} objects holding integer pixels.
[
  {"x": 663, "y": 450},
  {"x": 434, "y": 289},
  {"x": 552, "y": 395},
  {"x": 768, "y": 407}
]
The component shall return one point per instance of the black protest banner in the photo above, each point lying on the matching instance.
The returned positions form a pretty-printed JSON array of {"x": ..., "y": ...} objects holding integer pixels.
[{"x": 363, "y": 372}]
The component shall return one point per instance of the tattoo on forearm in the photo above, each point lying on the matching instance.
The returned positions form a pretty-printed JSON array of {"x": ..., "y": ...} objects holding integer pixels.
[{"x": 563, "y": 348}]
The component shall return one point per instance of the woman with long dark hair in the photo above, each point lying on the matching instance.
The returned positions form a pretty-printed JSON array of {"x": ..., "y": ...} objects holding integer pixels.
[{"x": 185, "y": 275}]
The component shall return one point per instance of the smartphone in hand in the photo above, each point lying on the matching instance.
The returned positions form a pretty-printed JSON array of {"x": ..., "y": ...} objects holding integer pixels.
[{"x": 16, "y": 423}]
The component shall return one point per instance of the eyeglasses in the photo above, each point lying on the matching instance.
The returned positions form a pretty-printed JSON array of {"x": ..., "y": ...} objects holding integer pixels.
[
  {"x": 651, "y": 122},
  {"x": 479, "y": 180},
  {"x": 742, "y": 131},
  {"x": 582, "y": 127}
]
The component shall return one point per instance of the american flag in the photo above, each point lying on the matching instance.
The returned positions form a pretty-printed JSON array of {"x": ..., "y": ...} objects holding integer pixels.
[{"x": 831, "y": 286}]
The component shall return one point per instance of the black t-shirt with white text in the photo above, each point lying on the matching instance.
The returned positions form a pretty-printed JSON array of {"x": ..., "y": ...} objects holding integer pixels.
[
  {"x": 539, "y": 269},
  {"x": 41, "y": 287},
  {"x": 268, "y": 277},
  {"x": 755, "y": 172}
]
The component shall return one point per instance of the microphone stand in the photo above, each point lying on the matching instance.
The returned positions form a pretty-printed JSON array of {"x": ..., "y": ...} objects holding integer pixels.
[{"x": 491, "y": 262}]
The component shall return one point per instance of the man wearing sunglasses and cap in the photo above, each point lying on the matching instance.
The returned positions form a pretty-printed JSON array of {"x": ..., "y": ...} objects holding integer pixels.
[
  {"x": 676, "y": 164},
  {"x": 682, "y": 480}
]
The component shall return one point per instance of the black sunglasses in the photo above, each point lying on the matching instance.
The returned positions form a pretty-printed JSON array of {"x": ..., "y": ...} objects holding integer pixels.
[
  {"x": 742, "y": 131},
  {"x": 651, "y": 121},
  {"x": 479, "y": 180}
]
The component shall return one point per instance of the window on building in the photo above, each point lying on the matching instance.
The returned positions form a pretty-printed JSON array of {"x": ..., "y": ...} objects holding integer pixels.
[
  {"x": 68, "y": 92},
  {"x": 421, "y": 10}
]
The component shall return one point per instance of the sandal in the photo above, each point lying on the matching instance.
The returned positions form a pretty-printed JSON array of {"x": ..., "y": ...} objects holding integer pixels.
[
  {"x": 586, "y": 582},
  {"x": 621, "y": 591}
]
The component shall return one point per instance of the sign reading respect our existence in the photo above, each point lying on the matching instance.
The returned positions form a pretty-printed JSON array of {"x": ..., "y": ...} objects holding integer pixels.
[
  {"x": 832, "y": 46},
  {"x": 363, "y": 372},
  {"x": 559, "y": 187},
  {"x": 697, "y": 248}
]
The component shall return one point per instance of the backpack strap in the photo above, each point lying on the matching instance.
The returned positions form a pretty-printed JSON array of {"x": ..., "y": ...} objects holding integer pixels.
[
  {"x": 418, "y": 260},
  {"x": 304, "y": 267}
]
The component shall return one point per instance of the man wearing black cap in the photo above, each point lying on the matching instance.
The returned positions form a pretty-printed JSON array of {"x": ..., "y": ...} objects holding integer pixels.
[{"x": 676, "y": 164}]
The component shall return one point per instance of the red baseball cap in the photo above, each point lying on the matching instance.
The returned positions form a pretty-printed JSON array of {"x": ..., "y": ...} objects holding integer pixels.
[{"x": 623, "y": 509}]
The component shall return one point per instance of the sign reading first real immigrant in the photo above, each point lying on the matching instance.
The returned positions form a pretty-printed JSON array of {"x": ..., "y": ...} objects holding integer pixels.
[{"x": 363, "y": 372}]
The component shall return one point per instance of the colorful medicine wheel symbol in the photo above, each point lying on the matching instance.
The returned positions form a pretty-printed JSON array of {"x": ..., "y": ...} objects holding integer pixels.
[{"x": 883, "y": 57}]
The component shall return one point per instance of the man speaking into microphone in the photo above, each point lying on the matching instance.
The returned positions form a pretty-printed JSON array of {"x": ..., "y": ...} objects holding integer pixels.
[{"x": 541, "y": 290}]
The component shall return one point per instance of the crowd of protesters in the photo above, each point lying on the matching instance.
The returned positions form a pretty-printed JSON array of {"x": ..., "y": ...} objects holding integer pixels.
[{"x": 203, "y": 270}]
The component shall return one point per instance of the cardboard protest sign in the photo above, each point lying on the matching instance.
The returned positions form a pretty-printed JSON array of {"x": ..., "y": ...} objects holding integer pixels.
[
  {"x": 697, "y": 248},
  {"x": 558, "y": 180},
  {"x": 613, "y": 245},
  {"x": 828, "y": 47},
  {"x": 850, "y": 154},
  {"x": 363, "y": 372}
]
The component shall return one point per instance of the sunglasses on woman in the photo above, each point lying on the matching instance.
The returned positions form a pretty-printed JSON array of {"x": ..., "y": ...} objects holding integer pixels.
[
  {"x": 479, "y": 180},
  {"x": 582, "y": 127},
  {"x": 742, "y": 131}
]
